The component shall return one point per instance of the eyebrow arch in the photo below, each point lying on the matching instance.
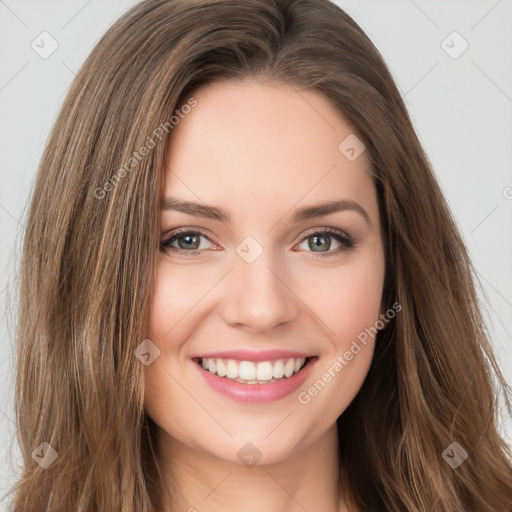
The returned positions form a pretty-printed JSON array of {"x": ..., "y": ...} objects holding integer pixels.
[
  {"x": 307, "y": 212},
  {"x": 328, "y": 207}
]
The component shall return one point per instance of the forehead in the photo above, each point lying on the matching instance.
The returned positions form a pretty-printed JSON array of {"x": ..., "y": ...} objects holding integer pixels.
[{"x": 260, "y": 145}]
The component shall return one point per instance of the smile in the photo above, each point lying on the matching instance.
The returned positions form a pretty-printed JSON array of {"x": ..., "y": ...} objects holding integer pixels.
[
  {"x": 249, "y": 372},
  {"x": 251, "y": 381}
]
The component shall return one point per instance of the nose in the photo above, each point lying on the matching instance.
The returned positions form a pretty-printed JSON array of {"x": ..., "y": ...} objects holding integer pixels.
[{"x": 258, "y": 297}]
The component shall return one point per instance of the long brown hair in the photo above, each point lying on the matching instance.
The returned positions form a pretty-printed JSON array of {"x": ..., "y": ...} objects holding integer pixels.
[{"x": 89, "y": 251}]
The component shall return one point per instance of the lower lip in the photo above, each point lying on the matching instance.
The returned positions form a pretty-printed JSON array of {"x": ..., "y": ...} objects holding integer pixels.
[{"x": 257, "y": 392}]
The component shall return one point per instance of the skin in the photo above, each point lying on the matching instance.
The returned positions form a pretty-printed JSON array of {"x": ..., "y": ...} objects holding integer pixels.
[{"x": 260, "y": 151}]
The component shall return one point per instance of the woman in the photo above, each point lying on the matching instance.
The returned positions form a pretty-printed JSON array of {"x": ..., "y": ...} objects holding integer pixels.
[{"x": 180, "y": 346}]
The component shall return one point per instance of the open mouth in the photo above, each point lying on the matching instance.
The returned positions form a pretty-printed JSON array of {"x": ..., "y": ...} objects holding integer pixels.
[{"x": 249, "y": 372}]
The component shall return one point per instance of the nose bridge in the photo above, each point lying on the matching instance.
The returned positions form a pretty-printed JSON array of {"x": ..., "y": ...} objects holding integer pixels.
[{"x": 258, "y": 297}]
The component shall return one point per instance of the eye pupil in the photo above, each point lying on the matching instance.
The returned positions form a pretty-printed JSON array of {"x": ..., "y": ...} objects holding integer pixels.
[
  {"x": 189, "y": 238},
  {"x": 313, "y": 239}
]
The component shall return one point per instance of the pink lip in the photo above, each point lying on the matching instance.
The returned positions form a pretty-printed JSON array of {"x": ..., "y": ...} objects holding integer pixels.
[
  {"x": 257, "y": 392},
  {"x": 250, "y": 355}
]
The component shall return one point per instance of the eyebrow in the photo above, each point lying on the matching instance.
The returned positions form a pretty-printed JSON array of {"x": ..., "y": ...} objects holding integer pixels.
[{"x": 306, "y": 212}]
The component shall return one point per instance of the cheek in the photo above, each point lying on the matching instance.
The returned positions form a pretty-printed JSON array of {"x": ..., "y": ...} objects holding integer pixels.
[
  {"x": 349, "y": 310},
  {"x": 347, "y": 299},
  {"x": 174, "y": 314},
  {"x": 173, "y": 298},
  {"x": 177, "y": 291}
]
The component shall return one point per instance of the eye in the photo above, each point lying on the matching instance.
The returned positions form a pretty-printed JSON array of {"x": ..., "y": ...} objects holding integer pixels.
[
  {"x": 189, "y": 242},
  {"x": 320, "y": 242}
]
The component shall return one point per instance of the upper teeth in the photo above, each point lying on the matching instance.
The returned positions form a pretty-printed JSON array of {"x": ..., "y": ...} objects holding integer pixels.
[{"x": 249, "y": 371}]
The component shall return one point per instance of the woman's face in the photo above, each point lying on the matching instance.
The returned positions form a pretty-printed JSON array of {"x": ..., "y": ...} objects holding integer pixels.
[{"x": 266, "y": 283}]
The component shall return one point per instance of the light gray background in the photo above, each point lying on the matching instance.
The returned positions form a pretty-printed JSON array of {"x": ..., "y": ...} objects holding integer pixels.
[{"x": 462, "y": 110}]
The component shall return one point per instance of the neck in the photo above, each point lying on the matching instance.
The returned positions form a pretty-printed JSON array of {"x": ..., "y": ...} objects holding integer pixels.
[{"x": 198, "y": 481}]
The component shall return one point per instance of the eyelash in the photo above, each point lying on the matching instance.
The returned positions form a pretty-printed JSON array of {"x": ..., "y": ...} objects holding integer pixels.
[{"x": 346, "y": 242}]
